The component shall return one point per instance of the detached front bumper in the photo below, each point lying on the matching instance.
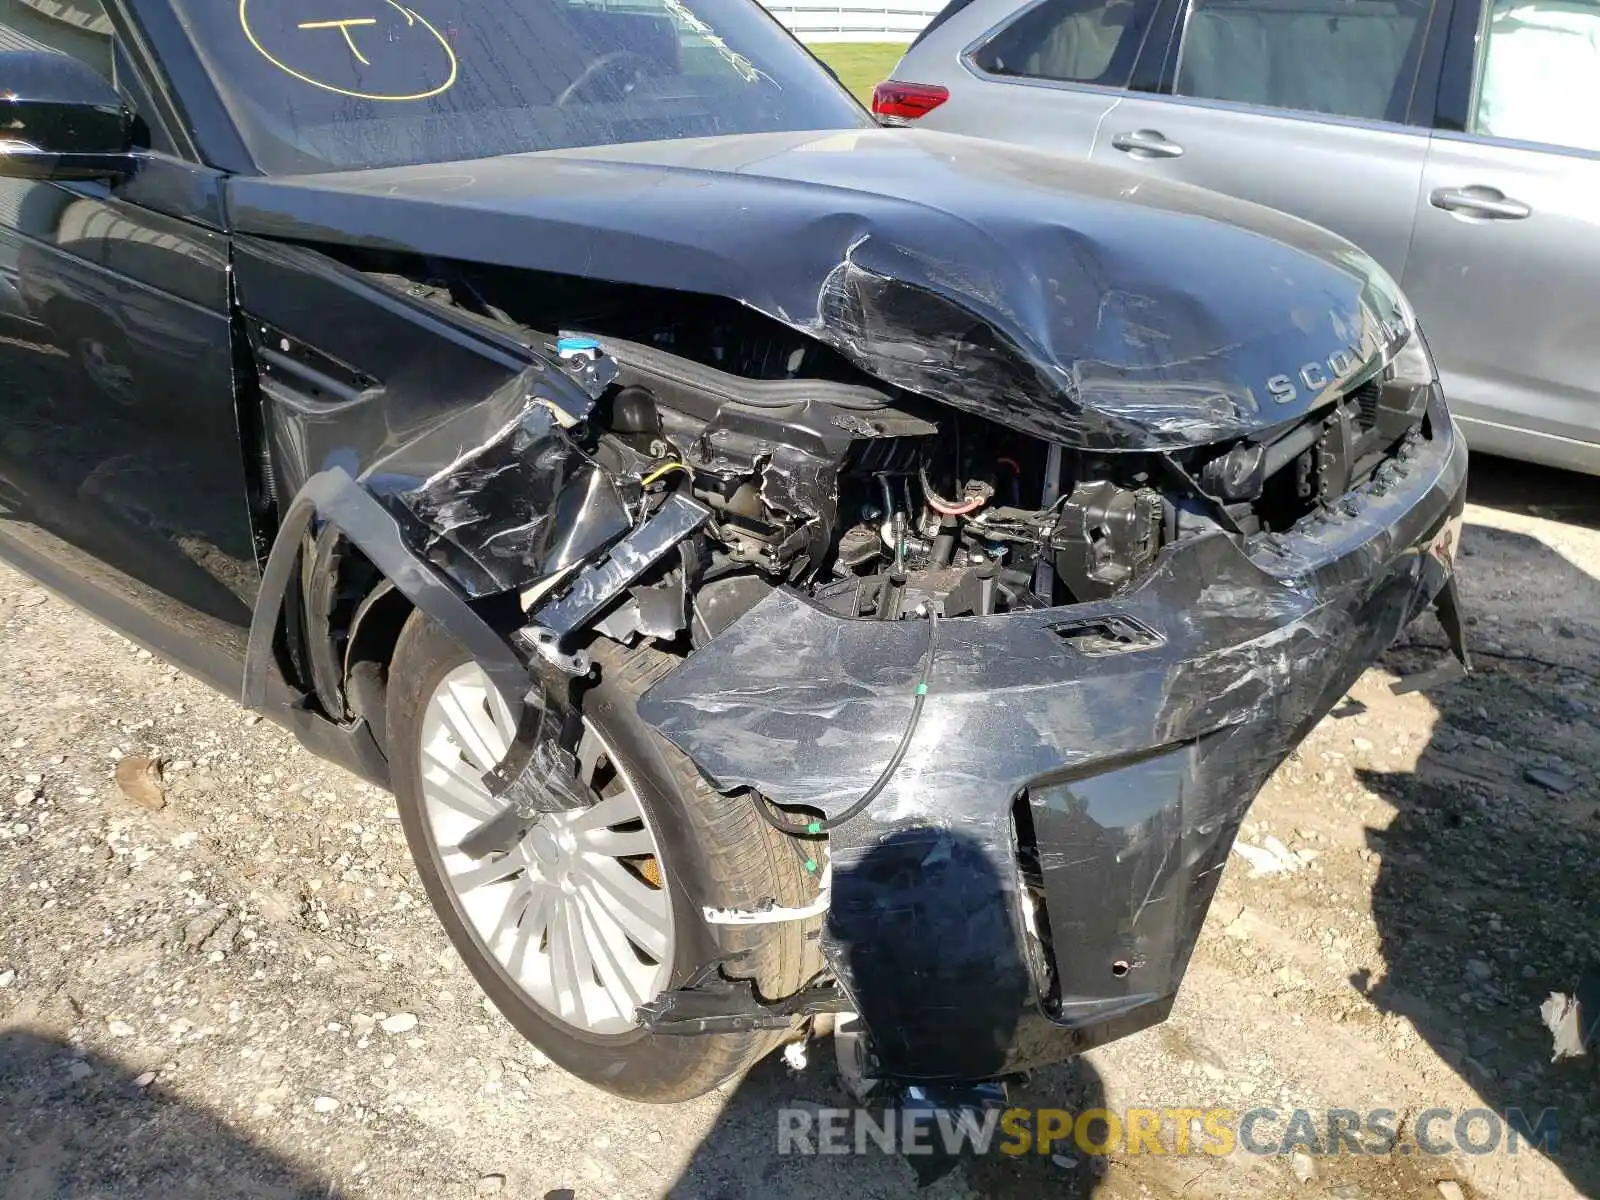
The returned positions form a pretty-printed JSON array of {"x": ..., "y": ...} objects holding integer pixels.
[{"x": 1118, "y": 744}]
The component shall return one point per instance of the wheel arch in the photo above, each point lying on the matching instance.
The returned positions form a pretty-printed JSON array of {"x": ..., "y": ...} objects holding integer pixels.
[{"x": 333, "y": 532}]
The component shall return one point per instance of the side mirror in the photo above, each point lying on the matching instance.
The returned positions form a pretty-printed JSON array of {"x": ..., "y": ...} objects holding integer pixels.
[{"x": 60, "y": 120}]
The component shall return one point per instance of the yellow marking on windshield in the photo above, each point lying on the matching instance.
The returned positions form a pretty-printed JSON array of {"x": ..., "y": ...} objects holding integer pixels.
[
  {"x": 413, "y": 18},
  {"x": 344, "y": 28}
]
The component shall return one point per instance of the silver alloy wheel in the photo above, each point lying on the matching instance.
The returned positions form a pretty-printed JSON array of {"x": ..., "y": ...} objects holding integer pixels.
[{"x": 577, "y": 912}]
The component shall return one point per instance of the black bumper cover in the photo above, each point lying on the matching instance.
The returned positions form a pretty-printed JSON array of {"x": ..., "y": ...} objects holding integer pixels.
[{"x": 1133, "y": 765}]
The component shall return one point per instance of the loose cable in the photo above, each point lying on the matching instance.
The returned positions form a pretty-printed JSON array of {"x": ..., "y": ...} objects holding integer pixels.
[
  {"x": 919, "y": 696},
  {"x": 662, "y": 471},
  {"x": 948, "y": 508}
]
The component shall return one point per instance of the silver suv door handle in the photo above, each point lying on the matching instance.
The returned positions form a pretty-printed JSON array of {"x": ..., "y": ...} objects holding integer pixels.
[
  {"x": 1146, "y": 143},
  {"x": 1479, "y": 201}
]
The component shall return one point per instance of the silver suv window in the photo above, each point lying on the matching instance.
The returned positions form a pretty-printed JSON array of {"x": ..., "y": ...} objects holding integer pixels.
[
  {"x": 1539, "y": 73},
  {"x": 1349, "y": 58},
  {"x": 1073, "y": 41}
]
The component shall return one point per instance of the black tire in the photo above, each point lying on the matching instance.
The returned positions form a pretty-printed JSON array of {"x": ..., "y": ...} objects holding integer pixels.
[{"x": 718, "y": 841}]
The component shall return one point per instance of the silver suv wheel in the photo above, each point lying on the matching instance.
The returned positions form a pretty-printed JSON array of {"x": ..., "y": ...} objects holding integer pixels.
[{"x": 576, "y": 913}]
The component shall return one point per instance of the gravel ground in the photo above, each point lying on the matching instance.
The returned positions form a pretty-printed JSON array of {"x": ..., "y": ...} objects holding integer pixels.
[{"x": 244, "y": 993}]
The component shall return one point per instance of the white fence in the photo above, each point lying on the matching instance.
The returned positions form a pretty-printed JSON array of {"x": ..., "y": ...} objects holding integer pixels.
[{"x": 887, "y": 21}]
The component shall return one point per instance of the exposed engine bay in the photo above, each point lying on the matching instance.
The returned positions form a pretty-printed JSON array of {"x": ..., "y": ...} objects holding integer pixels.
[
  {"x": 795, "y": 533},
  {"x": 877, "y": 502},
  {"x": 998, "y": 561}
]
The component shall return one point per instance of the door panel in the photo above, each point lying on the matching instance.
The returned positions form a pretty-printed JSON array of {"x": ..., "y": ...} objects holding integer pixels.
[
  {"x": 1295, "y": 104},
  {"x": 1505, "y": 277},
  {"x": 121, "y": 477},
  {"x": 1505, "y": 272},
  {"x": 122, "y": 482},
  {"x": 1059, "y": 117},
  {"x": 1045, "y": 76},
  {"x": 1360, "y": 181}
]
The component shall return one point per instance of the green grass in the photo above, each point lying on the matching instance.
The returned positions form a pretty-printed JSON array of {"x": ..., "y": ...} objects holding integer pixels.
[{"x": 860, "y": 64}]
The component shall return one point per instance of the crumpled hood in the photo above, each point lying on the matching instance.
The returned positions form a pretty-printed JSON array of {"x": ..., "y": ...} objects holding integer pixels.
[{"x": 1077, "y": 303}]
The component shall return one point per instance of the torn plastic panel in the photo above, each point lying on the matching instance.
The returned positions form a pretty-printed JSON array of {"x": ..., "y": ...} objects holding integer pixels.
[
  {"x": 494, "y": 495},
  {"x": 503, "y": 493},
  {"x": 539, "y": 773},
  {"x": 710, "y": 1002},
  {"x": 1033, "y": 880},
  {"x": 525, "y": 450},
  {"x": 1065, "y": 300}
]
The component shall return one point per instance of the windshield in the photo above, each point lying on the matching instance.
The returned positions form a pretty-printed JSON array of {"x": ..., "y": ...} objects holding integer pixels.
[{"x": 318, "y": 85}]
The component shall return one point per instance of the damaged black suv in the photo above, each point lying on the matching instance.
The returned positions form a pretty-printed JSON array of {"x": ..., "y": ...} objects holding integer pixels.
[{"x": 784, "y": 567}]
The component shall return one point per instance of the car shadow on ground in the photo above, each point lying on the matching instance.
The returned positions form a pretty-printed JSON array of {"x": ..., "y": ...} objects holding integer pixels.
[
  {"x": 1534, "y": 490},
  {"x": 77, "y": 1124},
  {"x": 1488, "y": 893},
  {"x": 747, "y": 1153},
  {"x": 739, "y": 1157}
]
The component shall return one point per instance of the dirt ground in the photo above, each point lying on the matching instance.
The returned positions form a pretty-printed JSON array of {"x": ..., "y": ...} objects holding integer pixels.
[{"x": 194, "y": 1001}]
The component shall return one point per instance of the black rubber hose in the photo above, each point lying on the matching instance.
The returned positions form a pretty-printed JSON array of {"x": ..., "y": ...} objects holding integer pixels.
[{"x": 817, "y": 828}]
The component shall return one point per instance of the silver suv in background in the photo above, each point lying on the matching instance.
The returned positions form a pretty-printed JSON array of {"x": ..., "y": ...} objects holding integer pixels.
[{"x": 1456, "y": 141}]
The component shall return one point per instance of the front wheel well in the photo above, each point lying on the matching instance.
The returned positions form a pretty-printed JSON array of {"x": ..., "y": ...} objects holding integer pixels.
[
  {"x": 373, "y": 633},
  {"x": 363, "y": 629},
  {"x": 323, "y": 615}
]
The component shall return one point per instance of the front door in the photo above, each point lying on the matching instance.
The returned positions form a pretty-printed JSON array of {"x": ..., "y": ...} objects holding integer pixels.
[
  {"x": 121, "y": 478},
  {"x": 1505, "y": 270},
  {"x": 1300, "y": 105}
]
